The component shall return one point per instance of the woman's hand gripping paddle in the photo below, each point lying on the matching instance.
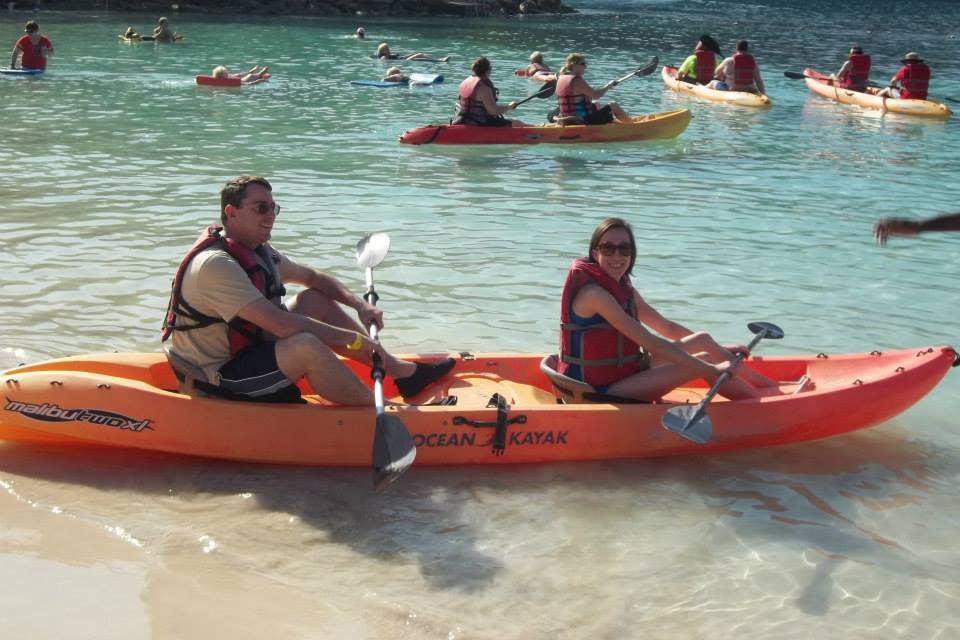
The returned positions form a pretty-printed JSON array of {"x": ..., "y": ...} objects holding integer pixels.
[
  {"x": 692, "y": 422},
  {"x": 393, "y": 448}
]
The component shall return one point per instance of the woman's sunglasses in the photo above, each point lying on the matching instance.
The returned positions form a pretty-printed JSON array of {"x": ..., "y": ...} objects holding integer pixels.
[{"x": 608, "y": 248}]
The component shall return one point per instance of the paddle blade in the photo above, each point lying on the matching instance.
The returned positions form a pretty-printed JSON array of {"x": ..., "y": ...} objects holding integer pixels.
[
  {"x": 548, "y": 90},
  {"x": 794, "y": 75},
  {"x": 393, "y": 451},
  {"x": 649, "y": 68},
  {"x": 773, "y": 332},
  {"x": 684, "y": 421},
  {"x": 372, "y": 249}
]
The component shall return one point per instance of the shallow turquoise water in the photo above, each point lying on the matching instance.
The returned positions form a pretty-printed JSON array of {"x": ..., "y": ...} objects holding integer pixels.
[{"x": 113, "y": 161}]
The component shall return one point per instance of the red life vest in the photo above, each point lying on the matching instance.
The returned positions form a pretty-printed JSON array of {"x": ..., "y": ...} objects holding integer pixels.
[
  {"x": 596, "y": 353},
  {"x": 743, "y": 67},
  {"x": 573, "y": 104},
  {"x": 914, "y": 81},
  {"x": 859, "y": 73},
  {"x": 705, "y": 65},
  {"x": 469, "y": 109},
  {"x": 241, "y": 333}
]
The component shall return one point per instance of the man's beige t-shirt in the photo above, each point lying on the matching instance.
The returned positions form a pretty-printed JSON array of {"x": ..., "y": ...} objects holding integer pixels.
[{"x": 215, "y": 285}]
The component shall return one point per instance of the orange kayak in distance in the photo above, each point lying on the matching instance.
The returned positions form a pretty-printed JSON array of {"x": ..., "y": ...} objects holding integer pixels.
[
  {"x": 823, "y": 85},
  {"x": 130, "y": 400},
  {"x": 666, "y": 124}
]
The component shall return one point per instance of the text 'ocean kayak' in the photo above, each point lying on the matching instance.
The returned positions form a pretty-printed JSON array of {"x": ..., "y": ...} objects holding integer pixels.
[
  {"x": 739, "y": 98},
  {"x": 667, "y": 124},
  {"x": 130, "y": 400},
  {"x": 823, "y": 85}
]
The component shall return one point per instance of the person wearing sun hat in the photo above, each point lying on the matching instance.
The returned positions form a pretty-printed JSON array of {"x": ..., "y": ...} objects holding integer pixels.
[{"x": 912, "y": 80}]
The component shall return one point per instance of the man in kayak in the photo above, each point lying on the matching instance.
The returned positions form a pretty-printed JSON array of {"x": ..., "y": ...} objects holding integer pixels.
[
  {"x": 32, "y": 48},
  {"x": 234, "y": 338},
  {"x": 163, "y": 33},
  {"x": 605, "y": 342},
  {"x": 477, "y": 100},
  {"x": 700, "y": 66},
  {"x": 887, "y": 227},
  {"x": 384, "y": 53},
  {"x": 855, "y": 72},
  {"x": 739, "y": 72},
  {"x": 576, "y": 98},
  {"x": 911, "y": 81}
]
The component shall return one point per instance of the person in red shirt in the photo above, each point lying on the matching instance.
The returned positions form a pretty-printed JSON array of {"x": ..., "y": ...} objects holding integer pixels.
[
  {"x": 912, "y": 79},
  {"x": 32, "y": 48}
]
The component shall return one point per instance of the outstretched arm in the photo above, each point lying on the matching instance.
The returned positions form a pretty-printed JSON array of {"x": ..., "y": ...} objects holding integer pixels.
[{"x": 903, "y": 227}]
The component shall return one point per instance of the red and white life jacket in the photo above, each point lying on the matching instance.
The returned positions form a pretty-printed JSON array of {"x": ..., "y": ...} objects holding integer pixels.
[
  {"x": 859, "y": 73},
  {"x": 596, "y": 353},
  {"x": 573, "y": 104},
  {"x": 743, "y": 67},
  {"x": 241, "y": 333},
  {"x": 469, "y": 109}
]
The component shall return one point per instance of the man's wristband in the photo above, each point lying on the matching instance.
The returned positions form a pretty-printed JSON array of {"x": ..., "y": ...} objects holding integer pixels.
[{"x": 356, "y": 344}]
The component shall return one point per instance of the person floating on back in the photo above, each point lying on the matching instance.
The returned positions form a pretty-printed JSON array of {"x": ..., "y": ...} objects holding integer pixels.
[
  {"x": 32, "y": 48},
  {"x": 395, "y": 74},
  {"x": 538, "y": 69},
  {"x": 253, "y": 76},
  {"x": 576, "y": 98},
  {"x": 384, "y": 53},
  {"x": 855, "y": 72},
  {"x": 477, "y": 100},
  {"x": 911, "y": 81},
  {"x": 700, "y": 66},
  {"x": 739, "y": 72}
]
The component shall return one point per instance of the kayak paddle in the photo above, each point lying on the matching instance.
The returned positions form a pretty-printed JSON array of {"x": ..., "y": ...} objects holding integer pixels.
[
  {"x": 550, "y": 87},
  {"x": 393, "y": 448},
  {"x": 692, "y": 422}
]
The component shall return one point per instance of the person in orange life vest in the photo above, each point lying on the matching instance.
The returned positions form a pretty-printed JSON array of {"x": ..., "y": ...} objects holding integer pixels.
[
  {"x": 228, "y": 323},
  {"x": 700, "y": 66},
  {"x": 855, "y": 72},
  {"x": 912, "y": 80},
  {"x": 477, "y": 100},
  {"x": 538, "y": 70},
  {"x": 605, "y": 341},
  {"x": 739, "y": 72},
  {"x": 32, "y": 48},
  {"x": 576, "y": 97},
  {"x": 887, "y": 227}
]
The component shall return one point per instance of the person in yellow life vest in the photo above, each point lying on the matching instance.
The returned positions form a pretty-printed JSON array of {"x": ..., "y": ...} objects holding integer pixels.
[
  {"x": 739, "y": 72},
  {"x": 232, "y": 336},
  {"x": 615, "y": 341},
  {"x": 576, "y": 98}
]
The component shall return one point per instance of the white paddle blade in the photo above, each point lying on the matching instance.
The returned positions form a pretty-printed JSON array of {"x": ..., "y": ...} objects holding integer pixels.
[
  {"x": 683, "y": 421},
  {"x": 372, "y": 249}
]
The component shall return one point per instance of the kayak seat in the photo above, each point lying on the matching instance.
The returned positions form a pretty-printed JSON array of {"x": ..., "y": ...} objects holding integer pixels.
[
  {"x": 570, "y": 391},
  {"x": 186, "y": 373}
]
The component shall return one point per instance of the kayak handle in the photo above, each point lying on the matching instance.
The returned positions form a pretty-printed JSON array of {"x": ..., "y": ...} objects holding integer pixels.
[{"x": 500, "y": 424}]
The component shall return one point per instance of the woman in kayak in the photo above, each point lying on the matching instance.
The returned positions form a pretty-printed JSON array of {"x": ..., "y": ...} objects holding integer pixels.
[
  {"x": 604, "y": 335},
  {"x": 538, "y": 70},
  {"x": 384, "y": 53},
  {"x": 576, "y": 97},
  {"x": 477, "y": 100},
  {"x": 253, "y": 76},
  {"x": 700, "y": 66}
]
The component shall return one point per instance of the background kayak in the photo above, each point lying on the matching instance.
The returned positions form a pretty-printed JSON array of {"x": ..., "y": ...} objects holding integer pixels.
[
  {"x": 823, "y": 85},
  {"x": 739, "y": 98}
]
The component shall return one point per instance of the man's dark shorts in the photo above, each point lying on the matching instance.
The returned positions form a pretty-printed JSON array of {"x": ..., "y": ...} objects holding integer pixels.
[
  {"x": 253, "y": 375},
  {"x": 600, "y": 116}
]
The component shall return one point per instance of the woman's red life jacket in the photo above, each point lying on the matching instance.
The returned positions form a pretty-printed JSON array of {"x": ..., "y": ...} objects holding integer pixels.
[
  {"x": 915, "y": 81},
  {"x": 241, "y": 333},
  {"x": 469, "y": 108},
  {"x": 596, "y": 353},
  {"x": 705, "y": 65},
  {"x": 743, "y": 67},
  {"x": 572, "y": 104},
  {"x": 859, "y": 73}
]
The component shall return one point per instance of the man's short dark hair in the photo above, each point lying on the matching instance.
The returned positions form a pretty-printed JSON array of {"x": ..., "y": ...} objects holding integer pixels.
[
  {"x": 235, "y": 189},
  {"x": 743, "y": 45}
]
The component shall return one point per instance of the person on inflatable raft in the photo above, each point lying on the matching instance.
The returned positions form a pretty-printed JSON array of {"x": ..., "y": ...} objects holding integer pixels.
[{"x": 605, "y": 340}]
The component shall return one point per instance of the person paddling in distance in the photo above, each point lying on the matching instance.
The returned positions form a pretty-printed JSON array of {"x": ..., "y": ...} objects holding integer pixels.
[
  {"x": 701, "y": 65},
  {"x": 163, "y": 33},
  {"x": 253, "y": 76},
  {"x": 739, "y": 72},
  {"x": 33, "y": 48},
  {"x": 576, "y": 98},
  {"x": 232, "y": 336},
  {"x": 605, "y": 342},
  {"x": 855, "y": 72},
  {"x": 886, "y": 227},
  {"x": 477, "y": 100},
  {"x": 384, "y": 53},
  {"x": 911, "y": 81}
]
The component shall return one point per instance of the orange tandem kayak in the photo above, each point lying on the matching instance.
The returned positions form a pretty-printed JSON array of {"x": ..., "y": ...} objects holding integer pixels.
[
  {"x": 666, "y": 124},
  {"x": 129, "y": 400},
  {"x": 823, "y": 85}
]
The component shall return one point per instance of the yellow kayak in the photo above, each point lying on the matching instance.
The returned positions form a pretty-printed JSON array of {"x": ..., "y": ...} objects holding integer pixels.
[
  {"x": 823, "y": 85},
  {"x": 739, "y": 98}
]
